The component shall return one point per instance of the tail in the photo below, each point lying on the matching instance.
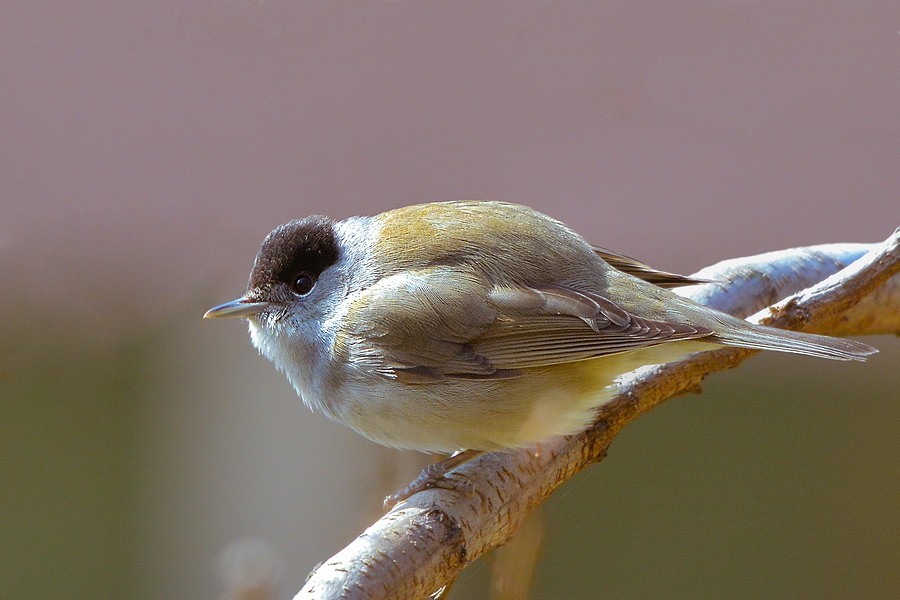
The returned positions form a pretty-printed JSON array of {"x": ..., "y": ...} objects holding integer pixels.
[{"x": 759, "y": 337}]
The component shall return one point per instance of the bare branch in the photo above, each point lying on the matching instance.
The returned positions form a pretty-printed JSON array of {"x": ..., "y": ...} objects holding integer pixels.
[{"x": 426, "y": 541}]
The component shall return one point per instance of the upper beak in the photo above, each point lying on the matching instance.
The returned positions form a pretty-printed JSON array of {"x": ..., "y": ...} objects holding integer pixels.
[{"x": 242, "y": 307}]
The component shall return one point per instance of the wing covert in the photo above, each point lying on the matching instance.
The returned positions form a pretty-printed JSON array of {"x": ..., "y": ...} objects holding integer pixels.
[{"x": 441, "y": 322}]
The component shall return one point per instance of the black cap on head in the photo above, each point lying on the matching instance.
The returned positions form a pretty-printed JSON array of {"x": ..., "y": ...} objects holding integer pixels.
[{"x": 308, "y": 244}]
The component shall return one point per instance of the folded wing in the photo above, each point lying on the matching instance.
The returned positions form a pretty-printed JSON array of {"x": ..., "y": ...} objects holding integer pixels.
[{"x": 442, "y": 323}]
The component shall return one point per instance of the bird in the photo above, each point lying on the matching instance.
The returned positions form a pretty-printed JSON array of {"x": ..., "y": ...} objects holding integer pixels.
[{"x": 473, "y": 325}]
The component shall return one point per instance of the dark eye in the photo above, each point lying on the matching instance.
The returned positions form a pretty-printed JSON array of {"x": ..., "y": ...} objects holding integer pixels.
[{"x": 303, "y": 283}]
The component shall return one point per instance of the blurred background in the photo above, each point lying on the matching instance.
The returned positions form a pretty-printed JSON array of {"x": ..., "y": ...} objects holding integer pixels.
[{"x": 148, "y": 147}]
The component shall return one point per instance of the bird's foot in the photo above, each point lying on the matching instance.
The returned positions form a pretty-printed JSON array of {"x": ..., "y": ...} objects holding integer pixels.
[{"x": 437, "y": 475}]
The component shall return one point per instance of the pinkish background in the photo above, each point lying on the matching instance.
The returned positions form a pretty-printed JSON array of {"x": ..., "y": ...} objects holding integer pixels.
[{"x": 147, "y": 148}]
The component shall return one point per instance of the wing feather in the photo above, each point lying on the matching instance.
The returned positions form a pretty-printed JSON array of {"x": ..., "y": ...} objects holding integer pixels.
[
  {"x": 443, "y": 322},
  {"x": 634, "y": 267}
]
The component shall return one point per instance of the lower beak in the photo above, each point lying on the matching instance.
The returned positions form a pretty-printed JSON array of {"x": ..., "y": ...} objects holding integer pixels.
[{"x": 242, "y": 307}]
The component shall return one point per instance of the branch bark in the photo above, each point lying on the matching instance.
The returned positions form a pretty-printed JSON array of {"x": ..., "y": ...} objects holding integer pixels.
[{"x": 425, "y": 542}]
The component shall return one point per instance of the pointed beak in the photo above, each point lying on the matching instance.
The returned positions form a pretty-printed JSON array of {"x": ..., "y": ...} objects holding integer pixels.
[{"x": 242, "y": 307}]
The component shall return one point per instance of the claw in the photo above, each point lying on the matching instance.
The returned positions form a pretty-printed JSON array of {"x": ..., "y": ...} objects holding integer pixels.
[{"x": 435, "y": 476}]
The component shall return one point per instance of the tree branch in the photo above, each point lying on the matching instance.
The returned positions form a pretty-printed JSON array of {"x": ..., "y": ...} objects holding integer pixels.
[{"x": 425, "y": 542}]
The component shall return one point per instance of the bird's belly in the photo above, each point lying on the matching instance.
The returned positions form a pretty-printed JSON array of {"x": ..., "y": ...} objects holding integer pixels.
[{"x": 486, "y": 414}]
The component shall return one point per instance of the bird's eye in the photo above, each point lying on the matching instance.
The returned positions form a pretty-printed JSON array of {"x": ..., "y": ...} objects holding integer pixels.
[{"x": 303, "y": 283}]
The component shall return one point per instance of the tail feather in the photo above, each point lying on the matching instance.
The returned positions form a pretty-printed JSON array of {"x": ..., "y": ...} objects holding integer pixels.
[{"x": 759, "y": 337}]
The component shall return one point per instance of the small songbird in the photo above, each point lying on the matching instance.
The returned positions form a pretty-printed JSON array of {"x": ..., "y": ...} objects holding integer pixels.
[{"x": 472, "y": 325}]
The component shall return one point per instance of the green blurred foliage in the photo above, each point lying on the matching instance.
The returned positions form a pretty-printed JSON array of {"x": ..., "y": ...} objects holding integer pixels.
[
  {"x": 68, "y": 467},
  {"x": 780, "y": 480}
]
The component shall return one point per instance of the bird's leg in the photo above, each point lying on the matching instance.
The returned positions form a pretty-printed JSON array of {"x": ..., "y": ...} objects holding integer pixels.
[{"x": 434, "y": 476}]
